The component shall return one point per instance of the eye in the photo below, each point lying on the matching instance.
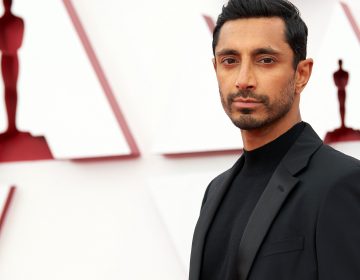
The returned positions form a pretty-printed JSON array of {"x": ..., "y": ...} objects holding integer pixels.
[
  {"x": 267, "y": 60},
  {"x": 229, "y": 60}
]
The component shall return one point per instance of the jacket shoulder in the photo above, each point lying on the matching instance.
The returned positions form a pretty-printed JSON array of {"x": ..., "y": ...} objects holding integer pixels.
[
  {"x": 332, "y": 158},
  {"x": 218, "y": 181},
  {"x": 330, "y": 171}
]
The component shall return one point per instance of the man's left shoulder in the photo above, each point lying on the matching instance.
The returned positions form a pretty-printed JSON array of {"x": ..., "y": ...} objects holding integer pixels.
[
  {"x": 329, "y": 165},
  {"x": 328, "y": 156}
]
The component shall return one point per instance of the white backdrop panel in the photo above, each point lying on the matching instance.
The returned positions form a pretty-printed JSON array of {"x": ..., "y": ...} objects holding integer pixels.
[{"x": 60, "y": 96}]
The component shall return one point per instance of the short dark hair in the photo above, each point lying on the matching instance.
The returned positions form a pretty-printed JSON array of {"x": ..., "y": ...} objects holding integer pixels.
[{"x": 296, "y": 31}]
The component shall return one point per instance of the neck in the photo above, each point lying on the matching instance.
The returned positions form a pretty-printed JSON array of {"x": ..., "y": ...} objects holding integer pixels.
[{"x": 256, "y": 138}]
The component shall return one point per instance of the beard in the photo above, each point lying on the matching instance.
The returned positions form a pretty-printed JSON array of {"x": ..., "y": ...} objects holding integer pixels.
[{"x": 274, "y": 110}]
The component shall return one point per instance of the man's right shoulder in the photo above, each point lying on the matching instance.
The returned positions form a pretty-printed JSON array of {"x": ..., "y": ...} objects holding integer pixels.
[{"x": 218, "y": 182}]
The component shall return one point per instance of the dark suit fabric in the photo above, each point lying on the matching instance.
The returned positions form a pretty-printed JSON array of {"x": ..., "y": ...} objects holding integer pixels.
[{"x": 306, "y": 224}]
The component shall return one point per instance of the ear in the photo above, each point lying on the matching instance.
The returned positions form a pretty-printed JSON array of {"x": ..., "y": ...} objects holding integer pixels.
[{"x": 303, "y": 73}]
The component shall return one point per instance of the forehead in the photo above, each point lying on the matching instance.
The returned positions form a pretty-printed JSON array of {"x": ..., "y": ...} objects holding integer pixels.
[{"x": 253, "y": 33}]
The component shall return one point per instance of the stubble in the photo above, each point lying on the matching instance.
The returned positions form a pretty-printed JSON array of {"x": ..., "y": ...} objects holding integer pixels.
[{"x": 274, "y": 110}]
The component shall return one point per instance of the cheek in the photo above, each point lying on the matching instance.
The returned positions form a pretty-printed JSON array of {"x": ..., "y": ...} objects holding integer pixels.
[
  {"x": 276, "y": 86},
  {"x": 226, "y": 83}
]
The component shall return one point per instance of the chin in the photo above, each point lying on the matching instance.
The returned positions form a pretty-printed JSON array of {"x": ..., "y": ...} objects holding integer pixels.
[
  {"x": 249, "y": 123},
  {"x": 254, "y": 121}
]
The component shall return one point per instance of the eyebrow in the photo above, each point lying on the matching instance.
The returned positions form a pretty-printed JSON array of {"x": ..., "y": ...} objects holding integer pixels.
[
  {"x": 268, "y": 50},
  {"x": 258, "y": 51},
  {"x": 227, "y": 52}
]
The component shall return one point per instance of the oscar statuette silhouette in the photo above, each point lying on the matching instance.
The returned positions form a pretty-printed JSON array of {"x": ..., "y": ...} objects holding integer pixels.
[
  {"x": 14, "y": 144},
  {"x": 343, "y": 133}
]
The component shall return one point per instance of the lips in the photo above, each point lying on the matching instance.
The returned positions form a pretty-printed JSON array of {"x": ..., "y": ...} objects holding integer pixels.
[
  {"x": 245, "y": 103},
  {"x": 246, "y": 100}
]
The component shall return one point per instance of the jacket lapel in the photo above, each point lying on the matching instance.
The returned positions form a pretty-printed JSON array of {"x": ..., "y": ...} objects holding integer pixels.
[
  {"x": 208, "y": 212},
  {"x": 279, "y": 187}
]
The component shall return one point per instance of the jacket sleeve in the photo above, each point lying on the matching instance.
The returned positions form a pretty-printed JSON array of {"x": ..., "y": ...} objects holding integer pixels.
[{"x": 338, "y": 230}]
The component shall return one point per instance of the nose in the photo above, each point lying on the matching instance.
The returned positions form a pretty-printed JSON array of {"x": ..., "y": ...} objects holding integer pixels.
[{"x": 246, "y": 77}]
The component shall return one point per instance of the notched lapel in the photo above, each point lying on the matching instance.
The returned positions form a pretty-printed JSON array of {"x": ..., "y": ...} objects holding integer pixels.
[{"x": 279, "y": 187}]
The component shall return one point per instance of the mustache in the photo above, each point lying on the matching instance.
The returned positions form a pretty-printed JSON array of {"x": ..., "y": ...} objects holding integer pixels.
[{"x": 245, "y": 93}]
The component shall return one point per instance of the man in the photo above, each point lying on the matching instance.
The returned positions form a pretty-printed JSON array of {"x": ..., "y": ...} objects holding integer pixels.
[{"x": 289, "y": 209}]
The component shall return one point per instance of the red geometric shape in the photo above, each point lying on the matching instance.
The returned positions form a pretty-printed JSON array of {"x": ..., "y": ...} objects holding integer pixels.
[
  {"x": 134, "y": 150},
  {"x": 352, "y": 19},
  {"x": 23, "y": 147},
  {"x": 6, "y": 206}
]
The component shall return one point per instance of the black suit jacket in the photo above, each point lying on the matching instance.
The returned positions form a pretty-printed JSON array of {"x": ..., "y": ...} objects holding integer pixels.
[{"x": 306, "y": 224}]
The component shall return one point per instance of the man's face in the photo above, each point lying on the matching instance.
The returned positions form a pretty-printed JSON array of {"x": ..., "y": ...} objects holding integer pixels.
[{"x": 254, "y": 68}]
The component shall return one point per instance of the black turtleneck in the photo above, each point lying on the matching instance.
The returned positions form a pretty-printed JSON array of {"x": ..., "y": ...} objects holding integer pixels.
[{"x": 223, "y": 238}]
